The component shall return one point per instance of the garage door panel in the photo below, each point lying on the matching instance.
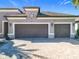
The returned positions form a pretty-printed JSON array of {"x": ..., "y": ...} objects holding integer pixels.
[
  {"x": 31, "y": 30},
  {"x": 62, "y": 30}
]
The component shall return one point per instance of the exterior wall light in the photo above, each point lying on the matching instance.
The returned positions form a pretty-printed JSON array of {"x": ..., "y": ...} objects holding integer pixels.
[{"x": 51, "y": 24}]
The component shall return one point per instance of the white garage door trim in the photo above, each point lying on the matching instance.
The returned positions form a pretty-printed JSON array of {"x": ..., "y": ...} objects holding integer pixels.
[
  {"x": 30, "y": 23},
  {"x": 2, "y": 22}
]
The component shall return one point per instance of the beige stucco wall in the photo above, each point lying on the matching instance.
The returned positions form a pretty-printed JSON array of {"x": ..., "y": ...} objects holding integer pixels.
[
  {"x": 25, "y": 19},
  {"x": 2, "y": 14},
  {"x": 52, "y": 28},
  {"x": 10, "y": 28},
  {"x": 1, "y": 31},
  {"x": 73, "y": 28},
  {"x": 53, "y": 20},
  {"x": 2, "y": 19}
]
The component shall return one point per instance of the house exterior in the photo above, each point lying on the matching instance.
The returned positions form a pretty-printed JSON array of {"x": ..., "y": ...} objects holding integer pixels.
[{"x": 31, "y": 22}]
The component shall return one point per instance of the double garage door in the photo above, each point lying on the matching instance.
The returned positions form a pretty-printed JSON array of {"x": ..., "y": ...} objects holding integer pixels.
[
  {"x": 41, "y": 30},
  {"x": 31, "y": 30}
]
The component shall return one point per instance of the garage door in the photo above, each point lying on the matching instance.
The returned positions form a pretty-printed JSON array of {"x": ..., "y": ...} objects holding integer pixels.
[
  {"x": 31, "y": 30},
  {"x": 62, "y": 30}
]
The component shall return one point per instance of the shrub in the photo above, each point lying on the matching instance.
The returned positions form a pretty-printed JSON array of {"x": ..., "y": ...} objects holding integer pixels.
[
  {"x": 77, "y": 32},
  {"x": 2, "y": 43}
]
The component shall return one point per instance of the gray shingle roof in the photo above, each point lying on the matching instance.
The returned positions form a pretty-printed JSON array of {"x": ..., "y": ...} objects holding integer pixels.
[
  {"x": 8, "y": 8},
  {"x": 44, "y": 14},
  {"x": 53, "y": 14}
]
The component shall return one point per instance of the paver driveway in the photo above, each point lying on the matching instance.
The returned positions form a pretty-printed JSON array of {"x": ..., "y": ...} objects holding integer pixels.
[{"x": 50, "y": 48}]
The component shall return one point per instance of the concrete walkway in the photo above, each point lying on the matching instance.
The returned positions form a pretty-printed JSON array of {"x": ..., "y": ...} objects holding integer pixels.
[{"x": 49, "y": 48}]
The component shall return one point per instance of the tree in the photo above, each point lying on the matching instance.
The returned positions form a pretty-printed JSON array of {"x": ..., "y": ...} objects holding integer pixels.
[
  {"x": 75, "y": 3},
  {"x": 9, "y": 51}
]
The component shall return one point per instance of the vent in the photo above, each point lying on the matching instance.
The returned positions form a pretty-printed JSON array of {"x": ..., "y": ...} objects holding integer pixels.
[{"x": 31, "y": 11}]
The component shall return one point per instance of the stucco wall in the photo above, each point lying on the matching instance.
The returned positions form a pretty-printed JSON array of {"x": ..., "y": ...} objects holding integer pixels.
[
  {"x": 25, "y": 19},
  {"x": 2, "y": 14},
  {"x": 51, "y": 28},
  {"x": 1, "y": 31},
  {"x": 10, "y": 28},
  {"x": 73, "y": 28},
  {"x": 51, "y": 21},
  {"x": 2, "y": 18}
]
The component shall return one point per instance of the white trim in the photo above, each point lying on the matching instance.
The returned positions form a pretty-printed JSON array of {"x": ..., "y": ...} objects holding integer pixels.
[
  {"x": 9, "y": 11},
  {"x": 16, "y": 18},
  {"x": 77, "y": 19},
  {"x": 29, "y": 23},
  {"x": 71, "y": 24},
  {"x": 10, "y": 33},
  {"x": 2, "y": 22},
  {"x": 14, "y": 30},
  {"x": 1, "y": 33},
  {"x": 62, "y": 22},
  {"x": 57, "y": 18},
  {"x": 2, "y": 27},
  {"x": 31, "y": 9},
  {"x": 76, "y": 26},
  {"x": 49, "y": 29},
  {"x": 44, "y": 18},
  {"x": 51, "y": 35}
]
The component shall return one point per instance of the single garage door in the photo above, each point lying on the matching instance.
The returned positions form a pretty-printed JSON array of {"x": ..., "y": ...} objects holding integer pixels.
[
  {"x": 62, "y": 30},
  {"x": 31, "y": 30}
]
